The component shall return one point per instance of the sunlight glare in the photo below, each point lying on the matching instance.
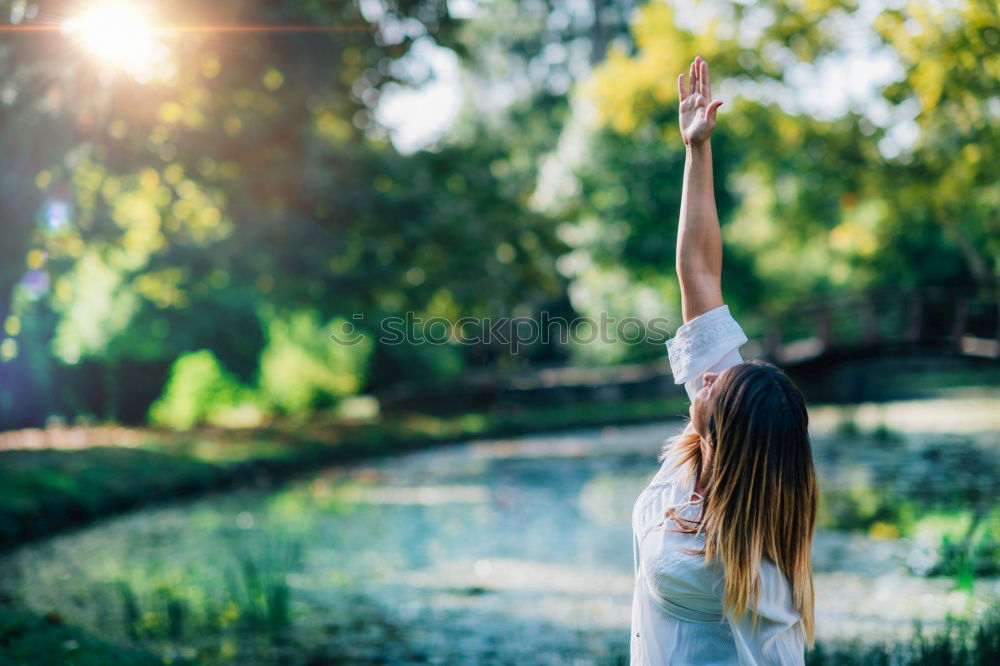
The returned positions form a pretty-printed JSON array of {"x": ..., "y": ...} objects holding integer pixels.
[{"x": 119, "y": 34}]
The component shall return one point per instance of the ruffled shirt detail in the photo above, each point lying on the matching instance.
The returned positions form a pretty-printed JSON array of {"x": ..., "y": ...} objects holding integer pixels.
[{"x": 702, "y": 342}]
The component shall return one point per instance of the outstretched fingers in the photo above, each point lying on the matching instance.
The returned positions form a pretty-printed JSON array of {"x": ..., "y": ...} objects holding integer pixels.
[{"x": 698, "y": 82}]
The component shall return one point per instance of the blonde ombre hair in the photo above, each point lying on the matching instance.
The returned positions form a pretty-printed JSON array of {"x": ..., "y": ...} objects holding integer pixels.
[{"x": 753, "y": 461}]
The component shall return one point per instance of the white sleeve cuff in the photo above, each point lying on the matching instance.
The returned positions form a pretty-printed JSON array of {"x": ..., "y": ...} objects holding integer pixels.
[{"x": 703, "y": 342}]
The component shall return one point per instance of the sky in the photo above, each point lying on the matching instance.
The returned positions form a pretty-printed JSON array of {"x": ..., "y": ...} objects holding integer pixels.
[{"x": 418, "y": 116}]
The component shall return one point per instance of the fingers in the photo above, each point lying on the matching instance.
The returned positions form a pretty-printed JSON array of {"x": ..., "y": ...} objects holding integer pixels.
[
  {"x": 713, "y": 108},
  {"x": 699, "y": 80}
]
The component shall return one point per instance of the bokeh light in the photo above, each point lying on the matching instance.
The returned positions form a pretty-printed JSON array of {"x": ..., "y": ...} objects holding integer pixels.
[
  {"x": 57, "y": 215},
  {"x": 35, "y": 284}
]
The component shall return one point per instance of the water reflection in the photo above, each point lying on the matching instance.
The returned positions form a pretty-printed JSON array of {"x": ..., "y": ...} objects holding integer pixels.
[{"x": 512, "y": 551}]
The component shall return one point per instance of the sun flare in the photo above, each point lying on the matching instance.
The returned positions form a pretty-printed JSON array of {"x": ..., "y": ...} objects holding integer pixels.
[{"x": 118, "y": 34}]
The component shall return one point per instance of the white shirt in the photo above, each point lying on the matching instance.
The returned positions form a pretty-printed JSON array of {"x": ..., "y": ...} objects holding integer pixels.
[{"x": 677, "y": 617}]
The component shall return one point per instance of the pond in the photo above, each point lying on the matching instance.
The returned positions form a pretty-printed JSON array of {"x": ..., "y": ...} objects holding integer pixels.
[{"x": 516, "y": 551}]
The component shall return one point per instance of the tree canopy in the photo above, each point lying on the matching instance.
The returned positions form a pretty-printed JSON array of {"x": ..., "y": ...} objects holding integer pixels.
[{"x": 214, "y": 207}]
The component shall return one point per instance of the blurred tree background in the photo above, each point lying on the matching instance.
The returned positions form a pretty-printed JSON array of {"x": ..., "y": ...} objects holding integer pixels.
[{"x": 183, "y": 231}]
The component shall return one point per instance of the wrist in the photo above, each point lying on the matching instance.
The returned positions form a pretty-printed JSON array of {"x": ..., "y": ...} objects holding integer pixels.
[{"x": 699, "y": 148}]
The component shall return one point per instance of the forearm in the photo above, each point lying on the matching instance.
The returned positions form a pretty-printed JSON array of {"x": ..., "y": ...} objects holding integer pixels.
[{"x": 699, "y": 241}]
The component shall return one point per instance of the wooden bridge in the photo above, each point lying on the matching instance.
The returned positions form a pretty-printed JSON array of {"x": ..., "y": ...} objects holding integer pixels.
[
  {"x": 879, "y": 323},
  {"x": 808, "y": 340}
]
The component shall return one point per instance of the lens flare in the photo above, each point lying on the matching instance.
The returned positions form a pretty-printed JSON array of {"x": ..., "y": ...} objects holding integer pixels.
[{"x": 121, "y": 35}]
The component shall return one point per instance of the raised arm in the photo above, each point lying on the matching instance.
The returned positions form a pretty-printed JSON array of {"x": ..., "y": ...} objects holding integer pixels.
[{"x": 699, "y": 242}]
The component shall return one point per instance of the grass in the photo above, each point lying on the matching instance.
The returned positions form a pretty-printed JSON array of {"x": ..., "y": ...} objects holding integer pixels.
[
  {"x": 44, "y": 491},
  {"x": 32, "y": 640},
  {"x": 254, "y": 604},
  {"x": 961, "y": 643},
  {"x": 40, "y": 641},
  {"x": 236, "y": 607}
]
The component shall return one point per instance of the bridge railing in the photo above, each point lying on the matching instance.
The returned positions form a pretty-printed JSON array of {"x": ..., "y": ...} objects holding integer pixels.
[
  {"x": 935, "y": 321},
  {"x": 930, "y": 319}
]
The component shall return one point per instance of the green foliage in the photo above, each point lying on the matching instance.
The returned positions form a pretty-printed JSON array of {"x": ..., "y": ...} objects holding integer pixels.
[
  {"x": 251, "y": 177},
  {"x": 304, "y": 368},
  {"x": 809, "y": 206},
  {"x": 200, "y": 390},
  {"x": 950, "y": 181}
]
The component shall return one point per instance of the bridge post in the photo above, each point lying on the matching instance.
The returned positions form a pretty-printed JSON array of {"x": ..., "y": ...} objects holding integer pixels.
[
  {"x": 869, "y": 320},
  {"x": 916, "y": 318},
  {"x": 772, "y": 341},
  {"x": 824, "y": 325},
  {"x": 961, "y": 318}
]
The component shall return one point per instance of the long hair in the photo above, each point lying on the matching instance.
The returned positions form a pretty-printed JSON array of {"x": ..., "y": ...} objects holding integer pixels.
[{"x": 759, "y": 485}]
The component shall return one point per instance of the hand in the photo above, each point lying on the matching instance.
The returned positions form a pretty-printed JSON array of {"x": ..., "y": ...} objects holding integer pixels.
[{"x": 697, "y": 110}]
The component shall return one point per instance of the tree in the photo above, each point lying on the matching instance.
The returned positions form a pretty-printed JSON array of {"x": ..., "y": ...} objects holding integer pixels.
[
  {"x": 809, "y": 205},
  {"x": 243, "y": 172}
]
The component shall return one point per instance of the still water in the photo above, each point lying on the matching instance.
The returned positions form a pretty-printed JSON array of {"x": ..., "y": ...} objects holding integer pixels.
[{"x": 515, "y": 551}]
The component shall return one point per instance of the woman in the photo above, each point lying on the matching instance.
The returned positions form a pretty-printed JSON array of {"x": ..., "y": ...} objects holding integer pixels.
[{"x": 723, "y": 533}]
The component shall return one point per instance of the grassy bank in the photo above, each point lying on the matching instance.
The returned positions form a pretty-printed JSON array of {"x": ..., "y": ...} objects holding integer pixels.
[{"x": 44, "y": 491}]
